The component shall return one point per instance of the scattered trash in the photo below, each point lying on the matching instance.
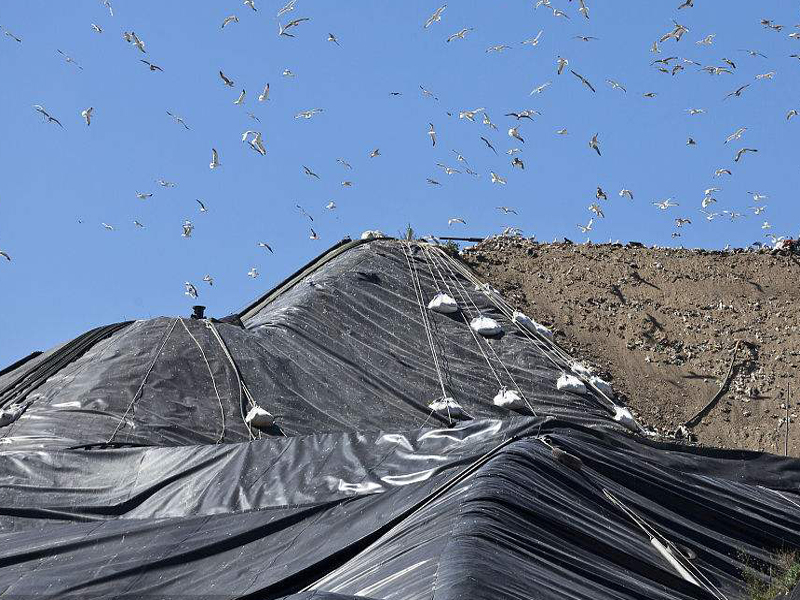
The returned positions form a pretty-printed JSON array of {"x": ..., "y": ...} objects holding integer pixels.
[
  {"x": 260, "y": 418},
  {"x": 442, "y": 303},
  {"x": 570, "y": 383},
  {"x": 485, "y": 326}
]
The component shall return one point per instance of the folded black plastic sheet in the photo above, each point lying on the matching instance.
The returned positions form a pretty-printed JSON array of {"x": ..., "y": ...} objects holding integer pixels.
[
  {"x": 482, "y": 510},
  {"x": 131, "y": 473}
]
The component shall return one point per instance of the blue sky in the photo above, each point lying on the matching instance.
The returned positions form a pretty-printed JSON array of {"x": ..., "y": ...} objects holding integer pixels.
[{"x": 68, "y": 273}]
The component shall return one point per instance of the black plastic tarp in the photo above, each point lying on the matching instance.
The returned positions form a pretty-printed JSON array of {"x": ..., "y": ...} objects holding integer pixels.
[{"x": 131, "y": 472}]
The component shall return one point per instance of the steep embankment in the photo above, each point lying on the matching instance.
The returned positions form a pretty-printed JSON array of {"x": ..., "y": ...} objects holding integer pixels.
[{"x": 663, "y": 323}]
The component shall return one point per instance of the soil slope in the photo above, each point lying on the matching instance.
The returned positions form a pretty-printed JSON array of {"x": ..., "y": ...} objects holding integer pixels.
[{"x": 662, "y": 324}]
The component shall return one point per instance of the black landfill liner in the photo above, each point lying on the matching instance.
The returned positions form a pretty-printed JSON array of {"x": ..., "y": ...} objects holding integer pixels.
[{"x": 132, "y": 474}]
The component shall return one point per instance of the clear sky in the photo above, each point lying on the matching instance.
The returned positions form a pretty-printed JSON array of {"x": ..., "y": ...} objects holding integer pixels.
[{"x": 57, "y": 186}]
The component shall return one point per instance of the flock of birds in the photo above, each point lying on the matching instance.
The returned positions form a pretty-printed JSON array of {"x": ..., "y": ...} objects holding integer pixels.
[{"x": 671, "y": 65}]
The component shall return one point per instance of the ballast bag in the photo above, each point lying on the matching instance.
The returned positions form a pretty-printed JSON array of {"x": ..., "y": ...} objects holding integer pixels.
[
  {"x": 370, "y": 234},
  {"x": 442, "y": 303},
  {"x": 509, "y": 399},
  {"x": 485, "y": 326},
  {"x": 448, "y": 407},
  {"x": 570, "y": 383},
  {"x": 531, "y": 325},
  {"x": 602, "y": 385},
  {"x": 260, "y": 418},
  {"x": 623, "y": 416},
  {"x": 580, "y": 369}
]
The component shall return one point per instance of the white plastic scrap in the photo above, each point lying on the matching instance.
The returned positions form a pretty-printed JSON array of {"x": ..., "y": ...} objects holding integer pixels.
[
  {"x": 442, "y": 303},
  {"x": 580, "y": 369},
  {"x": 485, "y": 326},
  {"x": 570, "y": 383},
  {"x": 531, "y": 325},
  {"x": 448, "y": 407},
  {"x": 602, "y": 385},
  {"x": 260, "y": 418},
  {"x": 370, "y": 234},
  {"x": 509, "y": 399},
  {"x": 12, "y": 413},
  {"x": 623, "y": 416}
]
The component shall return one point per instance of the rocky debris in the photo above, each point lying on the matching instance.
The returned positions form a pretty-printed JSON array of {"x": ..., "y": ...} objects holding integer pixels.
[{"x": 660, "y": 324}]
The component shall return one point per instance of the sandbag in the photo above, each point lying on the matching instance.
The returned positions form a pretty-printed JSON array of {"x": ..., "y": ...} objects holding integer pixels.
[
  {"x": 260, "y": 418},
  {"x": 531, "y": 325},
  {"x": 580, "y": 369},
  {"x": 442, "y": 303},
  {"x": 623, "y": 416},
  {"x": 11, "y": 413},
  {"x": 485, "y": 326},
  {"x": 570, "y": 383},
  {"x": 371, "y": 234},
  {"x": 510, "y": 399},
  {"x": 602, "y": 385},
  {"x": 447, "y": 407}
]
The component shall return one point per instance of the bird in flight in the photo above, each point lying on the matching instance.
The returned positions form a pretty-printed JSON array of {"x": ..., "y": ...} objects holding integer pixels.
[
  {"x": 12, "y": 36},
  {"x": 459, "y": 35},
  {"x": 143, "y": 195},
  {"x": 253, "y": 272},
  {"x": 202, "y": 206},
  {"x": 742, "y": 152},
  {"x": 498, "y": 48},
  {"x": 265, "y": 246},
  {"x": 313, "y": 235},
  {"x": 680, "y": 222},
  {"x": 791, "y": 113},
  {"x": 488, "y": 143},
  {"x": 534, "y": 41},
  {"x": 5, "y": 255},
  {"x": 707, "y": 41},
  {"x": 50, "y": 119},
  {"x": 289, "y": 7},
  {"x": 69, "y": 59},
  {"x": 455, "y": 220},
  {"x": 561, "y": 62},
  {"x": 600, "y": 194},
  {"x": 344, "y": 163},
  {"x": 737, "y": 92},
  {"x": 304, "y": 213},
  {"x": 448, "y": 170},
  {"x": 721, "y": 172},
  {"x": 687, "y": 4},
  {"x": 251, "y": 4},
  {"x": 753, "y": 53},
  {"x": 517, "y": 162},
  {"x": 428, "y": 93},
  {"x": 151, "y": 65},
  {"x": 330, "y": 205},
  {"x": 309, "y": 172},
  {"x": 138, "y": 225},
  {"x": 506, "y": 210},
  {"x": 583, "y": 80},
  {"x": 87, "y": 115},
  {"x": 496, "y": 178},
  {"x": 178, "y": 120},
  {"x": 107, "y": 226},
  {"x": 132, "y": 38},
  {"x": 187, "y": 229},
  {"x": 595, "y": 208},
  {"x": 307, "y": 114},
  {"x": 228, "y": 20},
  {"x": 624, "y": 192},
  {"x": 225, "y": 79},
  {"x": 240, "y": 99},
  {"x": 432, "y": 133},
  {"x": 524, "y": 114},
  {"x": 584, "y": 38},
  {"x": 97, "y": 28},
  {"x": 214, "y": 159},
  {"x": 588, "y": 227},
  {"x": 514, "y": 132},
  {"x": 282, "y": 29},
  {"x": 665, "y": 204},
  {"x": 264, "y": 95},
  {"x": 208, "y": 279},
  {"x": 435, "y": 17},
  {"x": 736, "y": 134},
  {"x": 469, "y": 114},
  {"x": 594, "y": 144},
  {"x": 191, "y": 291},
  {"x": 541, "y": 88},
  {"x": 615, "y": 85},
  {"x": 375, "y": 153}
]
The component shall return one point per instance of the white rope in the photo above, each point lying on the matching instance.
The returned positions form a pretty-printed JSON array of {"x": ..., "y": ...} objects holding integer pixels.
[
  {"x": 477, "y": 341},
  {"x": 144, "y": 380},
  {"x": 213, "y": 381},
  {"x": 418, "y": 294},
  {"x": 242, "y": 385}
]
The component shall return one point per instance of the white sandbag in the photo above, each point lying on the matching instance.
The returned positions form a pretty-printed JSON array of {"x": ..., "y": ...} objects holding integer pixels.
[
  {"x": 11, "y": 413},
  {"x": 580, "y": 369},
  {"x": 447, "y": 407},
  {"x": 602, "y": 385},
  {"x": 509, "y": 399},
  {"x": 371, "y": 234},
  {"x": 623, "y": 416},
  {"x": 485, "y": 326},
  {"x": 442, "y": 303},
  {"x": 570, "y": 383},
  {"x": 485, "y": 288},
  {"x": 260, "y": 418},
  {"x": 531, "y": 325}
]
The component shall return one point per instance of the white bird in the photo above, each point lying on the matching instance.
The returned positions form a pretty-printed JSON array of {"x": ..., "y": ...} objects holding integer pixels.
[
  {"x": 469, "y": 114},
  {"x": 107, "y": 4},
  {"x": 665, "y": 204},
  {"x": 240, "y": 99},
  {"x": 138, "y": 225},
  {"x": 496, "y": 178},
  {"x": 595, "y": 208},
  {"x": 562, "y": 63},
  {"x": 332, "y": 38},
  {"x": 488, "y": 121},
  {"x": 257, "y": 144},
  {"x": 791, "y": 113},
  {"x": 165, "y": 183},
  {"x": 435, "y": 17},
  {"x": 707, "y": 41},
  {"x": 625, "y": 192},
  {"x": 498, "y": 48},
  {"x": 432, "y": 133},
  {"x": 758, "y": 209},
  {"x": 534, "y": 41},
  {"x": 178, "y": 120},
  {"x": 720, "y": 172},
  {"x": 506, "y": 210},
  {"x": 143, "y": 195},
  {"x": 344, "y": 163},
  {"x": 615, "y": 85},
  {"x": 695, "y": 111},
  {"x": 191, "y": 291},
  {"x": 514, "y": 132},
  {"x": 265, "y": 246},
  {"x": 375, "y": 153},
  {"x": 107, "y": 226},
  {"x": 742, "y": 152},
  {"x": 758, "y": 197},
  {"x": 202, "y": 206},
  {"x": 97, "y": 28},
  {"x": 264, "y": 95},
  {"x": 288, "y": 73},
  {"x": 214, "y": 159},
  {"x": 594, "y": 144},
  {"x": 132, "y": 38},
  {"x": 455, "y": 220},
  {"x": 711, "y": 190},
  {"x": 766, "y": 225},
  {"x": 208, "y": 279},
  {"x": 736, "y": 134},
  {"x": 251, "y": 4},
  {"x": 307, "y": 114},
  {"x": 283, "y": 29},
  {"x": 710, "y": 216},
  {"x": 588, "y": 227},
  {"x": 707, "y": 201},
  {"x": 69, "y": 59},
  {"x": 769, "y": 75},
  {"x": 330, "y": 205},
  {"x": 287, "y": 8},
  {"x": 541, "y": 88},
  {"x": 562, "y": 132},
  {"x": 187, "y": 229},
  {"x": 680, "y": 222},
  {"x": 459, "y": 35},
  {"x": 87, "y": 115},
  {"x": 228, "y": 20},
  {"x": 313, "y": 235},
  {"x": 50, "y": 119},
  {"x": 253, "y": 272},
  {"x": 5, "y": 255}
]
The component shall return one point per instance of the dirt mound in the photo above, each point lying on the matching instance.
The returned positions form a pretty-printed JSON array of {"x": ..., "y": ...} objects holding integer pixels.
[{"x": 663, "y": 324}]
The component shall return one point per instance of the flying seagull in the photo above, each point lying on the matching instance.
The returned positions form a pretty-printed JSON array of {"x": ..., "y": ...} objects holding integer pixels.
[
  {"x": 455, "y": 220},
  {"x": 737, "y": 92},
  {"x": 191, "y": 291},
  {"x": 496, "y": 178},
  {"x": 202, "y": 206},
  {"x": 265, "y": 246},
  {"x": 332, "y": 38},
  {"x": 5, "y": 255},
  {"x": 309, "y": 172},
  {"x": 583, "y": 80},
  {"x": 264, "y": 95},
  {"x": 225, "y": 80},
  {"x": 741, "y": 153},
  {"x": 87, "y": 115},
  {"x": 151, "y": 65},
  {"x": 97, "y": 28},
  {"x": 588, "y": 227},
  {"x": 488, "y": 143},
  {"x": 432, "y": 133},
  {"x": 188, "y": 226},
  {"x": 665, "y": 204},
  {"x": 214, "y": 159},
  {"x": 282, "y": 29},
  {"x": 435, "y": 17},
  {"x": 240, "y": 99},
  {"x": 624, "y": 192},
  {"x": 514, "y": 132},
  {"x": 506, "y": 209},
  {"x": 69, "y": 59},
  {"x": 594, "y": 144},
  {"x": 229, "y": 19},
  {"x": 208, "y": 279},
  {"x": 40, "y": 109},
  {"x": 178, "y": 120}
]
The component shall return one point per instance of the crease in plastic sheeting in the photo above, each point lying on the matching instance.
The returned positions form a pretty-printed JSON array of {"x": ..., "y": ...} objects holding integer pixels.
[
  {"x": 409, "y": 478},
  {"x": 490, "y": 427},
  {"x": 396, "y": 438},
  {"x": 353, "y": 489},
  {"x": 375, "y": 587}
]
